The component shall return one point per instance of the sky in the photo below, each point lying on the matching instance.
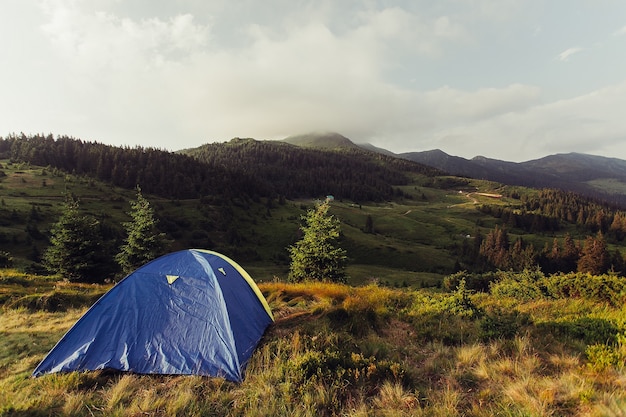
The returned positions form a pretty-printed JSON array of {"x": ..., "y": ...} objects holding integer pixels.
[{"x": 508, "y": 79}]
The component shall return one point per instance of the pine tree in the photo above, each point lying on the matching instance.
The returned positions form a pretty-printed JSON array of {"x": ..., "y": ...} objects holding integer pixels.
[
  {"x": 316, "y": 256},
  {"x": 595, "y": 258},
  {"x": 495, "y": 248},
  {"x": 143, "y": 242},
  {"x": 570, "y": 254},
  {"x": 75, "y": 245},
  {"x": 369, "y": 224}
]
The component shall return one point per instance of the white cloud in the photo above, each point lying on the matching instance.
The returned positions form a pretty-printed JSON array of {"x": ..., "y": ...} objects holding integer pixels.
[
  {"x": 100, "y": 39},
  {"x": 177, "y": 74},
  {"x": 621, "y": 31},
  {"x": 566, "y": 54},
  {"x": 453, "y": 106},
  {"x": 160, "y": 78},
  {"x": 591, "y": 123}
]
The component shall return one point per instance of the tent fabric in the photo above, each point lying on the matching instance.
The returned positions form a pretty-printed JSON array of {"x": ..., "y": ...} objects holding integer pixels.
[{"x": 193, "y": 312}]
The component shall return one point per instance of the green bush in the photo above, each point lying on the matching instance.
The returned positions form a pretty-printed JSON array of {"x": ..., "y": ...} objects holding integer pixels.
[
  {"x": 473, "y": 281},
  {"x": 331, "y": 364},
  {"x": 500, "y": 324},
  {"x": 587, "y": 329},
  {"x": 601, "y": 288},
  {"x": 460, "y": 303},
  {"x": 601, "y": 357},
  {"x": 523, "y": 286}
]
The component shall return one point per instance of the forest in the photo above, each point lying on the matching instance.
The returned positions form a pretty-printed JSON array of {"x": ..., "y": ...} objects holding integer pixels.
[
  {"x": 241, "y": 167},
  {"x": 553, "y": 230}
]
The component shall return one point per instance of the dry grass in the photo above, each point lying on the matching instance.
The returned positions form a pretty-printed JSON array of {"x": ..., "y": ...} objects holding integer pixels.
[{"x": 310, "y": 363}]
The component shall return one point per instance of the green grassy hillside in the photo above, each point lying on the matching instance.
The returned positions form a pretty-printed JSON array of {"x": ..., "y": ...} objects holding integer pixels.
[
  {"x": 526, "y": 348},
  {"x": 415, "y": 239}
]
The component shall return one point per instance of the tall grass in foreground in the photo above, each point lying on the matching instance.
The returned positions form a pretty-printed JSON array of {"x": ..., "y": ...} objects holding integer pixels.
[{"x": 337, "y": 350}]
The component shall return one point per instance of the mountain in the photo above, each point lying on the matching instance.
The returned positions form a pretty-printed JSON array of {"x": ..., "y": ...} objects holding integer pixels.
[
  {"x": 334, "y": 166},
  {"x": 589, "y": 175},
  {"x": 372, "y": 148},
  {"x": 323, "y": 140}
]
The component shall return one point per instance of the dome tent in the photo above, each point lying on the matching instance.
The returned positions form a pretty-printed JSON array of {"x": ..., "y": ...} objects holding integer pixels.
[{"x": 192, "y": 312}]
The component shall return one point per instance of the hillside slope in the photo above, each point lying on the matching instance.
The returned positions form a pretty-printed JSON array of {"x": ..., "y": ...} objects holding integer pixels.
[
  {"x": 590, "y": 175},
  {"x": 346, "y": 172}
]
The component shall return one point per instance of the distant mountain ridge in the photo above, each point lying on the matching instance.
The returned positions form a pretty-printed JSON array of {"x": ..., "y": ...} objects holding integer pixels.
[
  {"x": 590, "y": 175},
  {"x": 594, "y": 176}
]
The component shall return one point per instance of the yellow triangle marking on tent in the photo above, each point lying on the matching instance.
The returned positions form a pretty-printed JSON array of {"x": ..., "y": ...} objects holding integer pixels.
[
  {"x": 222, "y": 271},
  {"x": 171, "y": 278}
]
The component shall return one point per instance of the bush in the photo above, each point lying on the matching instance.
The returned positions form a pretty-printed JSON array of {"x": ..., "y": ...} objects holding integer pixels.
[
  {"x": 523, "y": 286},
  {"x": 602, "y": 357},
  {"x": 330, "y": 365},
  {"x": 600, "y": 288},
  {"x": 500, "y": 324},
  {"x": 474, "y": 282},
  {"x": 587, "y": 329}
]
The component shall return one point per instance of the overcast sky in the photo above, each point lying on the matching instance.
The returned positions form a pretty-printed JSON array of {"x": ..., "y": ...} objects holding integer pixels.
[{"x": 507, "y": 79}]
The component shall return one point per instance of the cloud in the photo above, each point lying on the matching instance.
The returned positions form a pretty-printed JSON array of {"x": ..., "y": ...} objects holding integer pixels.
[
  {"x": 591, "y": 123},
  {"x": 161, "y": 78},
  {"x": 620, "y": 32},
  {"x": 164, "y": 76},
  {"x": 566, "y": 54}
]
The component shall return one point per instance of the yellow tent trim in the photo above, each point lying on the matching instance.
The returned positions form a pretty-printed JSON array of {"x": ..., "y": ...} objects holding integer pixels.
[
  {"x": 171, "y": 278},
  {"x": 247, "y": 277}
]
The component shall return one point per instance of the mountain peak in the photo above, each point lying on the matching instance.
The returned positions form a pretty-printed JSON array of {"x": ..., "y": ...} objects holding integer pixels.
[{"x": 331, "y": 140}]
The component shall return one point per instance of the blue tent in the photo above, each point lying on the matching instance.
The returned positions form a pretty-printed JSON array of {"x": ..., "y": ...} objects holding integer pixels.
[{"x": 190, "y": 312}]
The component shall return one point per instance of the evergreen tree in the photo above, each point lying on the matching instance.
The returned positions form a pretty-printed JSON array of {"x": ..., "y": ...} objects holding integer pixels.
[
  {"x": 75, "y": 245},
  {"x": 595, "y": 258},
  {"x": 369, "y": 224},
  {"x": 495, "y": 248},
  {"x": 144, "y": 242},
  {"x": 316, "y": 256},
  {"x": 569, "y": 255}
]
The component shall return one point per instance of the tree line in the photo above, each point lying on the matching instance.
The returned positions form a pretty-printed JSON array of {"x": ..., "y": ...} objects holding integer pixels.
[
  {"x": 241, "y": 167},
  {"x": 548, "y": 209},
  {"x": 565, "y": 255}
]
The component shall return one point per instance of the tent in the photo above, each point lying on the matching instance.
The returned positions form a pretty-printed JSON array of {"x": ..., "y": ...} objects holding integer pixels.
[{"x": 193, "y": 312}]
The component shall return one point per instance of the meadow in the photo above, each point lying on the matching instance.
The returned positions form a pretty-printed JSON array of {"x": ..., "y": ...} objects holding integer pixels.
[
  {"x": 526, "y": 345},
  {"x": 411, "y": 237}
]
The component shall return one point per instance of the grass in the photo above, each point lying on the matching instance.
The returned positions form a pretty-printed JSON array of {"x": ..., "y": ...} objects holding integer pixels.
[
  {"x": 339, "y": 350},
  {"x": 413, "y": 243}
]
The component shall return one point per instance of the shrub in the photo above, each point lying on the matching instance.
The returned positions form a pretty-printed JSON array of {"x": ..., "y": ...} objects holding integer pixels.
[
  {"x": 587, "y": 329},
  {"x": 602, "y": 357},
  {"x": 473, "y": 281},
  {"x": 332, "y": 364},
  {"x": 523, "y": 286},
  {"x": 500, "y": 324},
  {"x": 461, "y": 304},
  {"x": 602, "y": 288}
]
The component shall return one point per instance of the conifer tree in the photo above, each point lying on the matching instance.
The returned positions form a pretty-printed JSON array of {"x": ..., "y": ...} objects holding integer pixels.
[
  {"x": 595, "y": 258},
  {"x": 75, "y": 245},
  {"x": 143, "y": 242},
  {"x": 316, "y": 256},
  {"x": 369, "y": 224},
  {"x": 570, "y": 254}
]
